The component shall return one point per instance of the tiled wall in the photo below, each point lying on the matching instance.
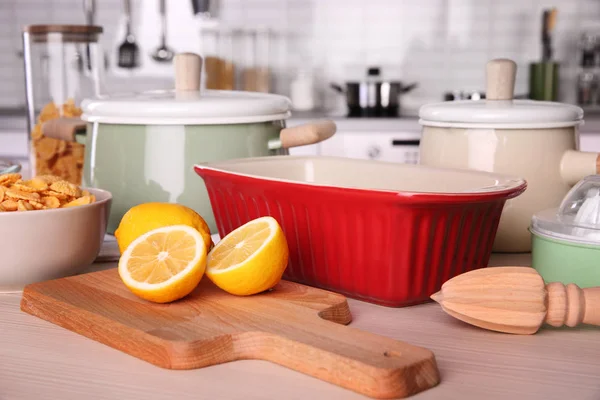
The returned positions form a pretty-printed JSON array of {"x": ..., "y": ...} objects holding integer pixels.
[{"x": 441, "y": 44}]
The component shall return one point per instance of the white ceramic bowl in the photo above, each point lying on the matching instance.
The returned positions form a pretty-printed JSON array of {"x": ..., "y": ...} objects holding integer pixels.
[{"x": 47, "y": 244}]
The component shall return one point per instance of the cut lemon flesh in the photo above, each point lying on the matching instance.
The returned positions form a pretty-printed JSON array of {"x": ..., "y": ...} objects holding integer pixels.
[
  {"x": 251, "y": 259},
  {"x": 164, "y": 264}
]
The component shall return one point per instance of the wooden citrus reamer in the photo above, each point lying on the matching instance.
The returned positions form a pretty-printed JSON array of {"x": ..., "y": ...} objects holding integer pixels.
[{"x": 516, "y": 300}]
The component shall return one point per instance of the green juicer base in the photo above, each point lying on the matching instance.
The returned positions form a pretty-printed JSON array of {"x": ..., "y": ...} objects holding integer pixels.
[{"x": 566, "y": 262}]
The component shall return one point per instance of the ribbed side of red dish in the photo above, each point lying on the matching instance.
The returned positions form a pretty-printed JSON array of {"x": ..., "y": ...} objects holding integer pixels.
[{"x": 379, "y": 247}]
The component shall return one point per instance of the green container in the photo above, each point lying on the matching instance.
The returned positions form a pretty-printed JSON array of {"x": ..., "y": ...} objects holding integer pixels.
[
  {"x": 566, "y": 240},
  {"x": 543, "y": 81},
  {"x": 566, "y": 262}
]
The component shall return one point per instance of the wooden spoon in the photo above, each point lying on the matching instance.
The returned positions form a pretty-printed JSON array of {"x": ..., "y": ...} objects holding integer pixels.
[{"x": 516, "y": 300}]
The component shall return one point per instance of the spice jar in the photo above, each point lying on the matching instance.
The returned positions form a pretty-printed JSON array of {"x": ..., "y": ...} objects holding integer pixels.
[
  {"x": 62, "y": 67},
  {"x": 217, "y": 47},
  {"x": 257, "y": 74}
]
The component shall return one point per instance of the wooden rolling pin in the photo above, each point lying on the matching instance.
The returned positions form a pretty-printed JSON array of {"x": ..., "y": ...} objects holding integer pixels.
[{"x": 516, "y": 300}]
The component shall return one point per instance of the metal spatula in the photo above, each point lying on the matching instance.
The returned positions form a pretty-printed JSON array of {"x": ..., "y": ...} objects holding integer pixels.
[{"x": 128, "y": 50}]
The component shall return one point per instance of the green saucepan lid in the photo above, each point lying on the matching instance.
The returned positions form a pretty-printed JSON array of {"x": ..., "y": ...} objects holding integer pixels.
[
  {"x": 187, "y": 103},
  {"x": 202, "y": 107}
]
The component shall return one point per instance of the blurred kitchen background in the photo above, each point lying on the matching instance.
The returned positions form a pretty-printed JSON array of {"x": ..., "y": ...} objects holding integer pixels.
[{"x": 310, "y": 49}]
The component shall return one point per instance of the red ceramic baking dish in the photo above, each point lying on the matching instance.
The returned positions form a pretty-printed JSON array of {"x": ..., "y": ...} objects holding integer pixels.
[{"x": 386, "y": 233}]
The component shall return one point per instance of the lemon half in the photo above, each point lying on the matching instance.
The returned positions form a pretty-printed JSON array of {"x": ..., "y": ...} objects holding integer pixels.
[
  {"x": 251, "y": 259},
  {"x": 164, "y": 264}
]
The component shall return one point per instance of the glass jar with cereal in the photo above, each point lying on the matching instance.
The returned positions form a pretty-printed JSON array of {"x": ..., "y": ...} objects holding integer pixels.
[{"x": 62, "y": 67}]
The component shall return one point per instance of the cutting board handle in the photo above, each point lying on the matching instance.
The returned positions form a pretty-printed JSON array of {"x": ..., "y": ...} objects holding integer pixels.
[{"x": 373, "y": 365}]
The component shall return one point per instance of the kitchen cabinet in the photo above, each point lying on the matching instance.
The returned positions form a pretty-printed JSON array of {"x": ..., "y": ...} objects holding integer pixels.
[
  {"x": 392, "y": 140},
  {"x": 402, "y": 147}
]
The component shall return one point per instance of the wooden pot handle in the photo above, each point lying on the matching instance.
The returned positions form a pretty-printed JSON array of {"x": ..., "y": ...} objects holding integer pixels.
[
  {"x": 500, "y": 80},
  {"x": 63, "y": 128},
  {"x": 576, "y": 165},
  {"x": 303, "y": 135}
]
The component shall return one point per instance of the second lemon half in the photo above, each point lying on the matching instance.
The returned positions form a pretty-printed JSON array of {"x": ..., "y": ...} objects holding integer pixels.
[{"x": 251, "y": 259}]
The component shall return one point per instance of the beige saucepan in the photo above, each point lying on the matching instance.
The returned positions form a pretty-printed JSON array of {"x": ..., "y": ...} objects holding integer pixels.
[{"x": 532, "y": 139}]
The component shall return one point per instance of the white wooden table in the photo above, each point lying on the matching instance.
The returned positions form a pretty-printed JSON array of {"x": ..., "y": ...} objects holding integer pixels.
[{"x": 39, "y": 360}]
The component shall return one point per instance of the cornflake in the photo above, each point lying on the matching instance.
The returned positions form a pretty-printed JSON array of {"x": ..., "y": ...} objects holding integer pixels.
[
  {"x": 40, "y": 193},
  {"x": 54, "y": 156},
  {"x": 66, "y": 188}
]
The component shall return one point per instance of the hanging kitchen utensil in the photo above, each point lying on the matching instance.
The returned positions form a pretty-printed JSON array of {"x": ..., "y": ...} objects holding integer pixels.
[
  {"x": 201, "y": 7},
  {"x": 89, "y": 8},
  {"x": 128, "y": 50},
  {"x": 163, "y": 54},
  {"x": 516, "y": 300},
  {"x": 299, "y": 327}
]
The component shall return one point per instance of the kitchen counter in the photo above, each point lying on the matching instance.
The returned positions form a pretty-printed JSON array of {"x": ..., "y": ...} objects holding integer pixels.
[{"x": 42, "y": 360}]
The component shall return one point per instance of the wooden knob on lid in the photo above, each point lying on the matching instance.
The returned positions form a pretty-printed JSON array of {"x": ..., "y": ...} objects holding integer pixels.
[
  {"x": 188, "y": 67},
  {"x": 500, "y": 80}
]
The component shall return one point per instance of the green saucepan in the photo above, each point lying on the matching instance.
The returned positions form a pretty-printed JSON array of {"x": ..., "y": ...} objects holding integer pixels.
[{"x": 142, "y": 147}]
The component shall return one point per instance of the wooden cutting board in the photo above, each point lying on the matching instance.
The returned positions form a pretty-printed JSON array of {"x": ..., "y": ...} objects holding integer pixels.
[{"x": 293, "y": 325}]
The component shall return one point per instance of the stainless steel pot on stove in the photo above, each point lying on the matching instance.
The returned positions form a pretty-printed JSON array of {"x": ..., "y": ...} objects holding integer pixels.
[{"x": 373, "y": 97}]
